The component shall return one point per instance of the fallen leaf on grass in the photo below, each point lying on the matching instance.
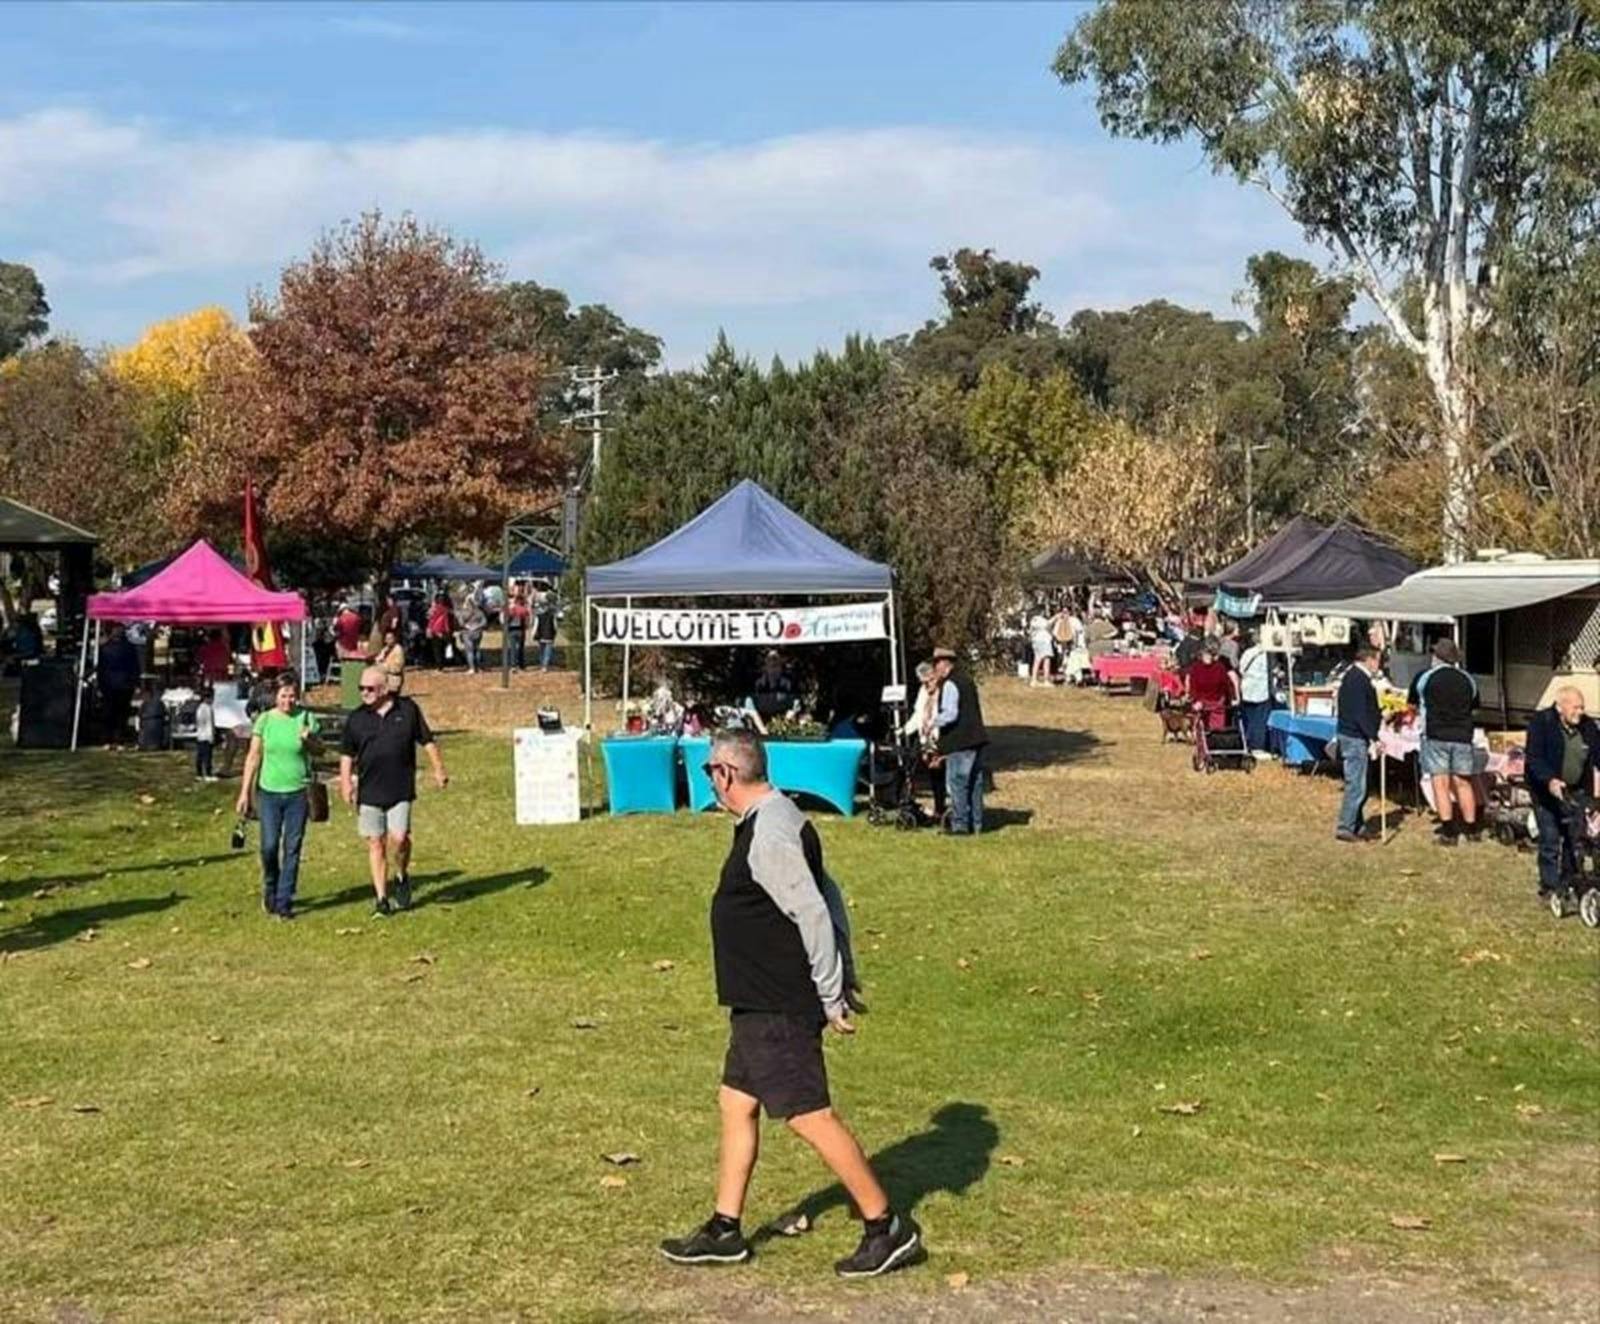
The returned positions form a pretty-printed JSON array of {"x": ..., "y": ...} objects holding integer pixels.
[
  {"x": 532, "y": 1092},
  {"x": 1137, "y": 1132},
  {"x": 963, "y": 964},
  {"x": 1410, "y": 1222},
  {"x": 1482, "y": 954},
  {"x": 621, "y": 1158},
  {"x": 86, "y": 1108},
  {"x": 88, "y": 935},
  {"x": 1183, "y": 1108},
  {"x": 147, "y": 799},
  {"x": 140, "y": 963},
  {"x": 613, "y": 1183},
  {"x": 1529, "y": 1110},
  {"x": 584, "y": 1023},
  {"x": 217, "y": 1038},
  {"x": 357, "y": 1162},
  {"x": 1411, "y": 873},
  {"x": 44, "y": 892},
  {"x": 1449, "y": 1158},
  {"x": 662, "y": 966},
  {"x": 792, "y": 1227},
  {"x": 1011, "y": 1160},
  {"x": 424, "y": 958},
  {"x": 346, "y": 933},
  {"x": 1033, "y": 989},
  {"x": 34, "y": 1101},
  {"x": 414, "y": 977},
  {"x": 1200, "y": 954},
  {"x": 957, "y": 1281}
]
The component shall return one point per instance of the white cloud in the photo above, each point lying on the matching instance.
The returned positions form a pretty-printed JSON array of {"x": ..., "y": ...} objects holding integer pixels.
[{"x": 676, "y": 235}]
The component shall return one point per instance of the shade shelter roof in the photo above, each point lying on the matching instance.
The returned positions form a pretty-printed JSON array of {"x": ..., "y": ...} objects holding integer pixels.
[
  {"x": 1340, "y": 561},
  {"x": 746, "y": 542},
  {"x": 535, "y": 561},
  {"x": 198, "y": 587},
  {"x": 1281, "y": 547},
  {"x": 24, "y": 529},
  {"x": 441, "y": 566},
  {"x": 1442, "y": 594},
  {"x": 1056, "y": 567}
]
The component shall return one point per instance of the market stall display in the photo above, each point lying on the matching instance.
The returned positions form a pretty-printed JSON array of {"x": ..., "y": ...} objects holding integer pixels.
[
  {"x": 827, "y": 769},
  {"x": 1301, "y": 738},
  {"x": 1121, "y": 668}
]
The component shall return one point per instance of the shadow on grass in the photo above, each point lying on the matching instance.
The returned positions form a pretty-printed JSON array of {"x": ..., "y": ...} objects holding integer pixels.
[
  {"x": 470, "y": 889},
  {"x": 17, "y": 886},
  {"x": 994, "y": 819},
  {"x": 61, "y": 925},
  {"x": 953, "y": 1155},
  {"x": 1013, "y": 748}
]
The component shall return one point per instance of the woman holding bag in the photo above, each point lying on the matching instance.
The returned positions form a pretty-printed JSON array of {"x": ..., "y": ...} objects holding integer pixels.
[{"x": 279, "y": 768}]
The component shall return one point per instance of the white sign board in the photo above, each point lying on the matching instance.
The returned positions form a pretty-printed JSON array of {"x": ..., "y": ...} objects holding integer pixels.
[
  {"x": 765, "y": 627},
  {"x": 546, "y": 772}
]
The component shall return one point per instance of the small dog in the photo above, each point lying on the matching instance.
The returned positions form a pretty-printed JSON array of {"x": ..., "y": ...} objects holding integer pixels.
[{"x": 1177, "y": 726}]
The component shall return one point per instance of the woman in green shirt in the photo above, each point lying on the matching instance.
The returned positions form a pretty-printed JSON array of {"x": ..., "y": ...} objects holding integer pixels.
[{"x": 281, "y": 745}]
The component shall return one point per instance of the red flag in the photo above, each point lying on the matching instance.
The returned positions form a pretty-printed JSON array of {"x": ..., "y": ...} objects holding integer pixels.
[{"x": 266, "y": 638}]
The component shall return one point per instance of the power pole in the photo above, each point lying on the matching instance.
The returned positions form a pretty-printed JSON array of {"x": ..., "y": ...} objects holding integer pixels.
[
  {"x": 590, "y": 382},
  {"x": 1250, "y": 450}
]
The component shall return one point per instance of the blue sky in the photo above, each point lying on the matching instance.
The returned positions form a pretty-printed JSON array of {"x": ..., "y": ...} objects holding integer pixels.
[{"x": 780, "y": 171}]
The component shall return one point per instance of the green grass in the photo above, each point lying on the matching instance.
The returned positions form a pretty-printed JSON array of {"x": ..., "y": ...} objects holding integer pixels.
[{"x": 301, "y": 1123}]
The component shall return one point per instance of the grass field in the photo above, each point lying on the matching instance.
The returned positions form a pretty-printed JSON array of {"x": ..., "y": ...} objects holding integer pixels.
[{"x": 1154, "y": 1021}]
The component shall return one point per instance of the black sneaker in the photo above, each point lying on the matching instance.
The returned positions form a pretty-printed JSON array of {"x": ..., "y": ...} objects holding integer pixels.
[
  {"x": 879, "y": 1252},
  {"x": 706, "y": 1246},
  {"x": 382, "y": 910},
  {"x": 402, "y": 892},
  {"x": 1447, "y": 839}
]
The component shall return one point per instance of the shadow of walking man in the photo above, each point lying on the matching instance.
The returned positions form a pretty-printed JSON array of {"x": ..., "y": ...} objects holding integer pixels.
[{"x": 952, "y": 1155}]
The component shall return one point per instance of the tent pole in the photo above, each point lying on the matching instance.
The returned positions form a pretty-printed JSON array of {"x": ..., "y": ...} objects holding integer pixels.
[
  {"x": 588, "y": 667},
  {"x": 83, "y": 667},
  {"x": 505, "y": 606},
  {"x": 894, "y": 640},
  {"x": 627, "y": 661}
]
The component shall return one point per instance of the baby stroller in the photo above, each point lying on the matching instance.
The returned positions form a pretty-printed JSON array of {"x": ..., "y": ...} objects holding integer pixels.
[
  {"x": 1581, "y": 872},
  {"x": 1219, "y": 738}
]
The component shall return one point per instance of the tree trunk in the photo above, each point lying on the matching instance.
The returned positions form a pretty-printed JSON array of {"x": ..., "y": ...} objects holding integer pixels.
[{"x": 1454, "y": 397}]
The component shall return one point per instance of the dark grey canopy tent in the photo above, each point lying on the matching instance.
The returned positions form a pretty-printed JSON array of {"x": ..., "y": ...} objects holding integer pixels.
[{"x": 1057, "y": 567}]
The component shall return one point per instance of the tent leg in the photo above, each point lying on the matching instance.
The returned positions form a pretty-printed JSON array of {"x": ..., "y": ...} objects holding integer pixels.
[
  {"x": 588, "y": 667},
  {"x": 83, "y": 667},
  {"x": 627, "y": 666},
  {"x": 894, "y": 640},
  {"x": 505, "y": 604}
]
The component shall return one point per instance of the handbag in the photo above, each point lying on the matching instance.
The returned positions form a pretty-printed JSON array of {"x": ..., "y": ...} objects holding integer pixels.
[{"x": 317, "y": 800}]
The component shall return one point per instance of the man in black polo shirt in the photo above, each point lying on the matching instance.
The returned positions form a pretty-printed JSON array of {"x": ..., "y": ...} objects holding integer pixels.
[
  {"x": 781, "y": 943},
  {"x": 1445, "y": 697},
  {"x": 380, "y": 748}
]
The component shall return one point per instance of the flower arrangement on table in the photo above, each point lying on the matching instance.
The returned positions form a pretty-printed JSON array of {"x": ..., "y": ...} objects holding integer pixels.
[
  {"x": 1393, "y": 708},
  {"x": 795, "y": 728}
]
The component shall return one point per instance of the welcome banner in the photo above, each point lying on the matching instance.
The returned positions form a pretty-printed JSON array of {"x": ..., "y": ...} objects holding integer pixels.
[{"x": 765, "y": 627}]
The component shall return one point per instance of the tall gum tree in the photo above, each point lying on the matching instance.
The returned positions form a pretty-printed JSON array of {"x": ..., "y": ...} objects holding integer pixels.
[{"x": 1404, "y": 134}]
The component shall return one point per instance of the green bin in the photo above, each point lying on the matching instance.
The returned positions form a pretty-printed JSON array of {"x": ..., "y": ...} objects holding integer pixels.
[{"x": 349, "y": 685}]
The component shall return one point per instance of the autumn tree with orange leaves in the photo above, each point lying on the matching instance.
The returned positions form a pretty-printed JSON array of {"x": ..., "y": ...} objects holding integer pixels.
[{"x": 376, "y": 405}]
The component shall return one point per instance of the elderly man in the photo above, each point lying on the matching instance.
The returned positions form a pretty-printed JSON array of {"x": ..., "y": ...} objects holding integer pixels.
[
  {"x": 1563, "y": 762},
  {"x": 780, "y": 945},
  {"x": 962, "y": 741},
  {"x": 380, "y": 750}
]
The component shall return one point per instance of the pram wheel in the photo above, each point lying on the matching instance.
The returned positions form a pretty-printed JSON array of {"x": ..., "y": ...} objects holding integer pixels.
[
  {"x": 1558, "y": 902},
  {"x": 1505, "y": 834},
  {"x": 876, "y": 816},
  {"x": 1589, "y": 908},
  {"x": 908, "y": 819}
]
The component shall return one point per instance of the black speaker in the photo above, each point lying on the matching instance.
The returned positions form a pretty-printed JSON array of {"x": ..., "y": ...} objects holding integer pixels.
[{"x": 45, "y": 708}]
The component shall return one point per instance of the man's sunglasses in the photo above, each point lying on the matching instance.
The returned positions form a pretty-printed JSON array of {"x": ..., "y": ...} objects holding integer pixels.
[
  {"x": 370, "y": 689},
  {"x": 709, "y": 768}
]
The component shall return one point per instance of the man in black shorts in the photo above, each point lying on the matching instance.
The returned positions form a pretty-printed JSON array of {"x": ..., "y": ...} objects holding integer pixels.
[
  {"x": 380, "y": 752},
  {"x": 780, "y": 941}
]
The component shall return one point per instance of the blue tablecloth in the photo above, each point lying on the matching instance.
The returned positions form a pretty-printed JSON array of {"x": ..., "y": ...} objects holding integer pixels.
[
  {"x": 641, "y": 774},
  {"x": 1301, "y": 738},
  {"x": 827, "y": 769}
]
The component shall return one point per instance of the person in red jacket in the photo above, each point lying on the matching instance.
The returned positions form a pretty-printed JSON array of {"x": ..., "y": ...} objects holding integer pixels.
[
  {"x": 1211, "y": 685},
  {"x": 441, "y": 628}
]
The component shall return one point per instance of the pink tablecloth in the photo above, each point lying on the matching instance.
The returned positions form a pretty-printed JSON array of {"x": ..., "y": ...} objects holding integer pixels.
[
  {"x": 1120, "y": 668},
  {"x": 1399, "y": 744}
]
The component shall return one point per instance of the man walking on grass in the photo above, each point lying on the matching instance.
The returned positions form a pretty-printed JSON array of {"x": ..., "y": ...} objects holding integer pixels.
[
  {"x": 780, "y": 942},
  {"x": 380, "y": 748}
]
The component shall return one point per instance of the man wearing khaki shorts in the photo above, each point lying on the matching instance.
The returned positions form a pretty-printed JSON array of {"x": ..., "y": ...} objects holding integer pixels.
[{"x": 378, "y": 774}]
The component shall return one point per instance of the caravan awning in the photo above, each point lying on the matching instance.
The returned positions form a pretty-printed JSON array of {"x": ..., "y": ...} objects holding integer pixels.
[{"x": 1441, "y": 595}]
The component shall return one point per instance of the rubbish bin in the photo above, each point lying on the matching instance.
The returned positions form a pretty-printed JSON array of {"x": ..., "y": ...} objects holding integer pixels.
[{"x": 349, "y": 685}]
